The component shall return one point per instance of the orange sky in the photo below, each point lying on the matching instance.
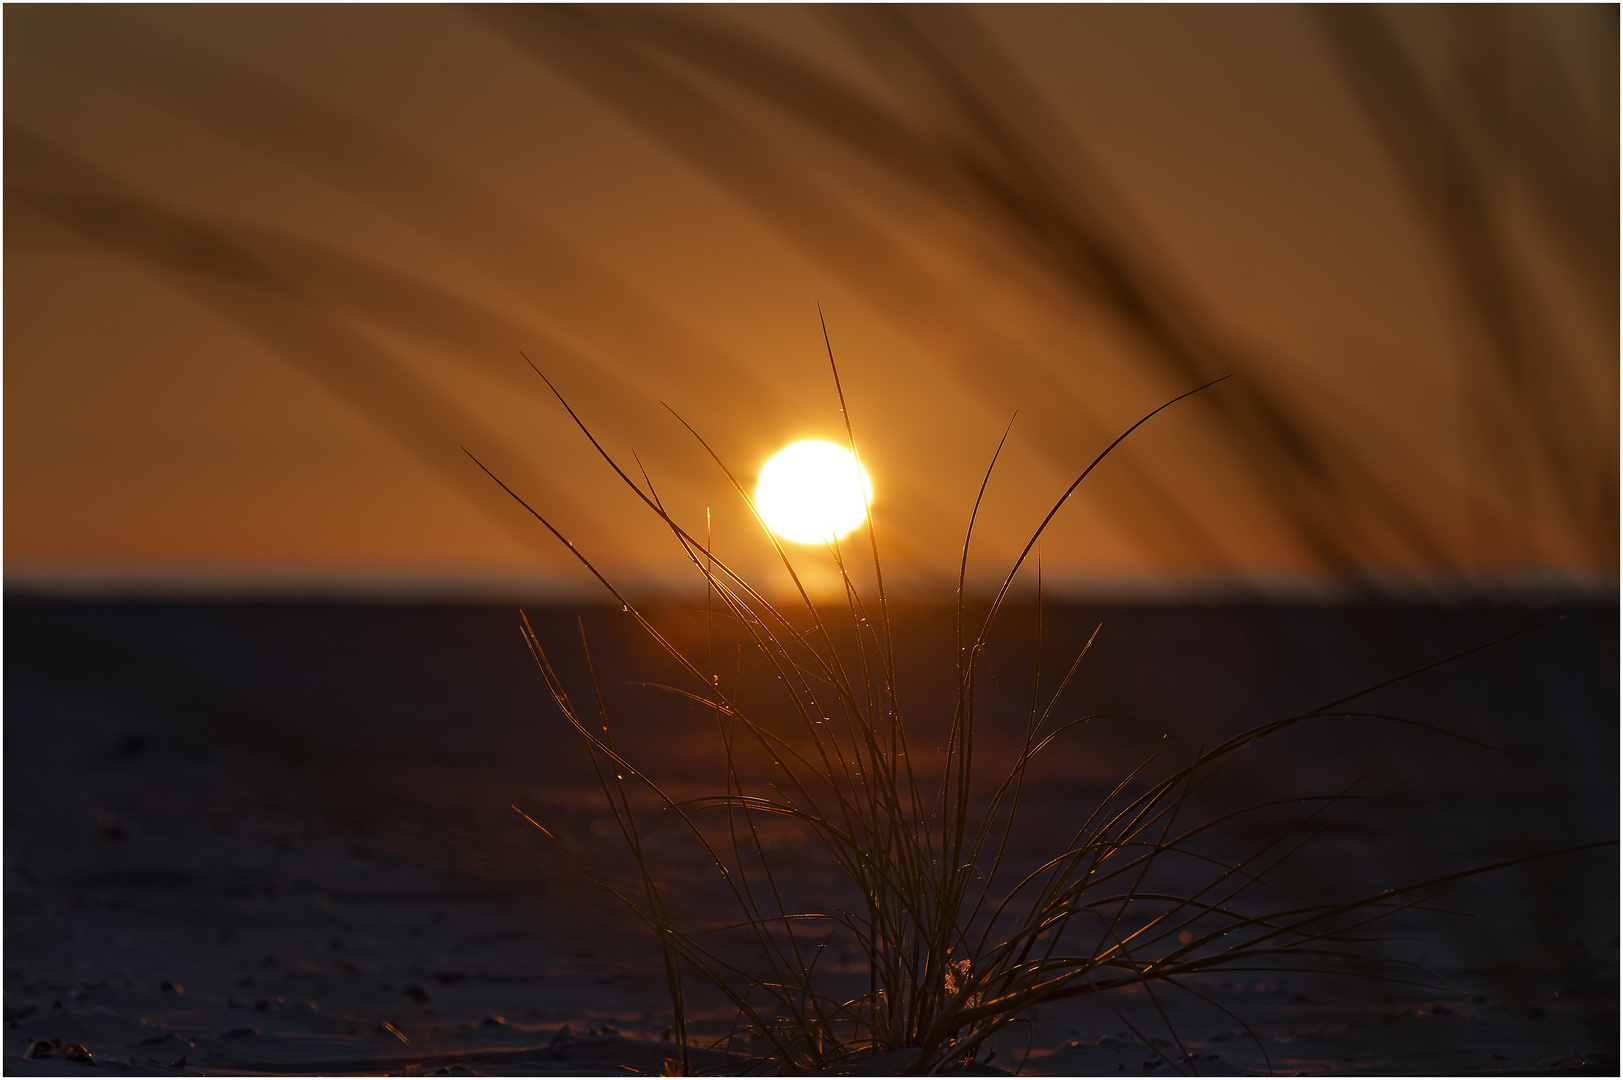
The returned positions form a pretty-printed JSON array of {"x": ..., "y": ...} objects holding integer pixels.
[{"x": 268, "y": 270}]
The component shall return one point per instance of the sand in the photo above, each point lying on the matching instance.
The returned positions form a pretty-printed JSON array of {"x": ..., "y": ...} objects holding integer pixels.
[{"x": 276, "y": 840}]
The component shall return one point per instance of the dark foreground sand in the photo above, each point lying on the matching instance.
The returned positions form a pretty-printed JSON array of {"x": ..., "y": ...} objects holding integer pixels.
[{"x": 276, "y": 839}]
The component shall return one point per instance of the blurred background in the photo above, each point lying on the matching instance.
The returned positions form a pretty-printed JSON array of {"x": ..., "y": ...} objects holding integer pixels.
[{"x": 271, "y": 269}]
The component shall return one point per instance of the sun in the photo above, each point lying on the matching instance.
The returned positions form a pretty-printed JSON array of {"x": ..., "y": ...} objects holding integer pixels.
[{"x": 813, "y": 492}]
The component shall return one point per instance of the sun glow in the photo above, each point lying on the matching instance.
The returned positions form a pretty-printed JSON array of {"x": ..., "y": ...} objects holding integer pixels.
[{"x": 813, "y": 492}]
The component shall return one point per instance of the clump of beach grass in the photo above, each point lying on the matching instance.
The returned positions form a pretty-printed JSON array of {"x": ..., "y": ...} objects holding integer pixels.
[{"x": 957, "y": 942}]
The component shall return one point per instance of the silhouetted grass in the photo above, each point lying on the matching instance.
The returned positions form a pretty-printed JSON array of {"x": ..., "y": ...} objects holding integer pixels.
[{"x": 957, "y": 941}]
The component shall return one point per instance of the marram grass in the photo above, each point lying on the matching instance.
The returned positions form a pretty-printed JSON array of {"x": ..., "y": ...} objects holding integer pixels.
[{"x": 957, "y": 943}]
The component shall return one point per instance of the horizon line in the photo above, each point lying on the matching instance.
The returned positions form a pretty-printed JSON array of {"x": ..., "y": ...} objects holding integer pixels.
[{"x": 1534, "y": 588}]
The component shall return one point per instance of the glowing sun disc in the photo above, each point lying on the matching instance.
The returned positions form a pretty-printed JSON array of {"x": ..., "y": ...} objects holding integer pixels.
[{"x": 813, "y": 492}]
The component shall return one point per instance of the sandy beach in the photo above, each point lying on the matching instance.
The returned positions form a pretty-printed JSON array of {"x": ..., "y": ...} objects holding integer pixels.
[{"x": 277, "y": 839}]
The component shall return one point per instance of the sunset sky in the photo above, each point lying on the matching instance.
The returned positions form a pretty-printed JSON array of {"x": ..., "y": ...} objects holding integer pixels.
[{"x": 269, "y": 270}]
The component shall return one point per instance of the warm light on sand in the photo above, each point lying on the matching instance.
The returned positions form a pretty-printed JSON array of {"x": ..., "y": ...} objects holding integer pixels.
[{"x": 813, "y": 492}]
